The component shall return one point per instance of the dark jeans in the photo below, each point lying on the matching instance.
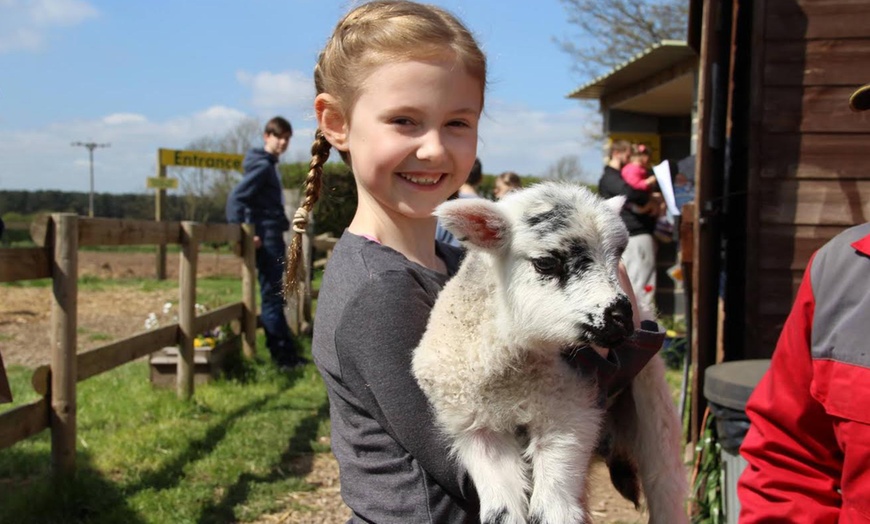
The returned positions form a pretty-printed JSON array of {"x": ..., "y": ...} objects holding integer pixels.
[{"x": 270, "y": 273}]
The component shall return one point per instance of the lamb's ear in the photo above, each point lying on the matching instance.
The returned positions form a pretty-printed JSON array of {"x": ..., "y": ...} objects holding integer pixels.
[
  {"x": 475, "y": 222},
  {"x": 616, "y": 203}
]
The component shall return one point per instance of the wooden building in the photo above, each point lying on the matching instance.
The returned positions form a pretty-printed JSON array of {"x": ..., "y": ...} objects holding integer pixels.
[
  {"x": 781, "y": 156},
  {"x": 781, "y": 160}
]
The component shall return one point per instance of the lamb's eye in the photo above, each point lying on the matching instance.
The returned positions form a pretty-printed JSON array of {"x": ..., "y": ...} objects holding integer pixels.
[{"x": 547, "y": 265}]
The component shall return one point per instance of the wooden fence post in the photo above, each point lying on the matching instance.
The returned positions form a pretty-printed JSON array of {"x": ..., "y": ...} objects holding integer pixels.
[
  {"x": 64, "y": 311},
  {"x": 187, "y": 307},
  {"x": 160, "y": 196},
  {"x": 249, "y": 292},
  {"x": 304, "y": 294}
]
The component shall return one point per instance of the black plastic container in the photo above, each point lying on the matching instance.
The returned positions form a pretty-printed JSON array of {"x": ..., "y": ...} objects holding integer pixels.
[{"x": 727, "y": 387}]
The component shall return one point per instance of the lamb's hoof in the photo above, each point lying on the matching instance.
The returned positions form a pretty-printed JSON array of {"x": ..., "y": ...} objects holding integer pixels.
[{"x": 623, "y": 475}]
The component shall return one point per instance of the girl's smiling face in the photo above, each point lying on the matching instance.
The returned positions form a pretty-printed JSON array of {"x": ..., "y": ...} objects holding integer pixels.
[{"x": 411, "y": 135}]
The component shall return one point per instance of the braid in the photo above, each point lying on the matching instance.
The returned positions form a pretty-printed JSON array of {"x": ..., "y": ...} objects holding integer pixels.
[{"x": 313, "y": 182}]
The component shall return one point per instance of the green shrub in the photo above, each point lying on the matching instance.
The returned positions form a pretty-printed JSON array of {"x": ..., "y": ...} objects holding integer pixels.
[{"x": 337, "y": 204}]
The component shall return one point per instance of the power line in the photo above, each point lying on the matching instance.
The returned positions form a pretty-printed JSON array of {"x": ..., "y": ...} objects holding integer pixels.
[{"x": 91, "y": 146}]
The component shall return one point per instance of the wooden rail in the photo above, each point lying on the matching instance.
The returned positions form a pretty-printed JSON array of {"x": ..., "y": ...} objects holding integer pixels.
[
  {"x": 24, "y": 264},
  {"x": 123, "y": 232},
  {"x": 22, "y": 422},
  {"x": 59, "y": 237}
]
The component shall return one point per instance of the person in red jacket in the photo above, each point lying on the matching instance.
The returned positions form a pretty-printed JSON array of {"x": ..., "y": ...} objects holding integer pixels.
[{"x": 808, "y": 444}]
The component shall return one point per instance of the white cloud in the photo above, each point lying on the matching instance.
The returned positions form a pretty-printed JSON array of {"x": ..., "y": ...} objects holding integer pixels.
[
  {"x": 44, "y": 158},
  {"x": 290, "y": 94},
  {"x": 527, "y": 141},
  {"x": 19, "y": 38},
  {"x": 25, "y": 24},
  {"x": 61, "y": 12},
  {"x": 123, "y": 118},
  {"x": 219, "y": 114},
  {"x": 276, "y": 92}
]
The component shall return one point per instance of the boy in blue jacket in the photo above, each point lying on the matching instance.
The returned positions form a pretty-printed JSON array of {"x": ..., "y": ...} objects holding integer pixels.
[{"x": 258, "y": 199}]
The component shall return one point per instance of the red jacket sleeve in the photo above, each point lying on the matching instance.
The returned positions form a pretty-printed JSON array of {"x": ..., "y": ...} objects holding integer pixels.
[{"x": 793, "y": 458}]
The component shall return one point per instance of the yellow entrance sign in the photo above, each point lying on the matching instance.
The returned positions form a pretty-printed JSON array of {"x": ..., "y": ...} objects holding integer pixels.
[
  {"x": 161, "y": 182},
  {"x": 173, "y": 157}
]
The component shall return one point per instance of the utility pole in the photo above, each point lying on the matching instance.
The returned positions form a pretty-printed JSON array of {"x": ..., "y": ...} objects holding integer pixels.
[{"x": 91, "y": 146}]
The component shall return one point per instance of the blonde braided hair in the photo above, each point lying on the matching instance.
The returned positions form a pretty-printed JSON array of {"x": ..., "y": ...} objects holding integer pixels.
[{"x": 313, "y": 182}]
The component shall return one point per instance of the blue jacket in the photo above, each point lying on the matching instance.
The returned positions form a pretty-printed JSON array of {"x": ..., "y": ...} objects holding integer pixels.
[{"x": 258, "y": 197}]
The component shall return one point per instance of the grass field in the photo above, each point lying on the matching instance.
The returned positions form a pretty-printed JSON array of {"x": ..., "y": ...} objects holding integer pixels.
[{"x": 144, "y": 456}]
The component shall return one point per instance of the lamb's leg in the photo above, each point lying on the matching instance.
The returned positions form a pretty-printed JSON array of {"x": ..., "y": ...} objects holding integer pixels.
[
  {"x": 560, "y": 459},
  {"x": 617, "y": 451},
  {"x": 656, "y": 446},
  {"x": 494, "y": 462}
]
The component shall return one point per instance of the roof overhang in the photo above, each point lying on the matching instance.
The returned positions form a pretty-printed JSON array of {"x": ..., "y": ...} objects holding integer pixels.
[{"x": 659, "y": 80}]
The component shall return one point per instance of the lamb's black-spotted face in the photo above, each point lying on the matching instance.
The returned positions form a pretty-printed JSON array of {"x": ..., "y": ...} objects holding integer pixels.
[
  {"x": 557, "y": 218},
  {"x": 563, "y": 269},
  {"x": 561, "y": 265},
  {"x": 571, "y": 238}
]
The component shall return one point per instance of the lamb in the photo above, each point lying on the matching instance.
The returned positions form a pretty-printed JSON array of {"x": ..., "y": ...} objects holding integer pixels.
[{"x": 539, "y": 281}]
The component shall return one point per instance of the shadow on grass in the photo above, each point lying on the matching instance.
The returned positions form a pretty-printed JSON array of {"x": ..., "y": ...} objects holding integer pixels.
[
  {"x": 172, "y": 473},
  {"x": 36, "y": 497},
  {"x": 28, "y": 493},
  {"x": 296, "y": 461}
]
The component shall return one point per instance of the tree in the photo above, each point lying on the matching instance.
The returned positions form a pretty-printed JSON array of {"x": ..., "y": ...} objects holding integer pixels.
[
  {"x": 567, "y": 169},
  {"x": 205, "y": 191},
  {"x": 614, "y": 31}
]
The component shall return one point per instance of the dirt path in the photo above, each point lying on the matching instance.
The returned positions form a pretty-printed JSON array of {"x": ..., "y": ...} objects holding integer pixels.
[
  {"x": 103, "y": 316},
  {"x": 324, "y": 506}
]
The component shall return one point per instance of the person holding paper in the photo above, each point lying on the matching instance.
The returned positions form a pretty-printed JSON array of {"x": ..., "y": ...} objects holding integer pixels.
[{"x": 641, "y": 209}]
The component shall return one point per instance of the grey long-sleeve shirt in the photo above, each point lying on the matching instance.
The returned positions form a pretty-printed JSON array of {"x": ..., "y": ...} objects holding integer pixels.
[{"x": 371, "y": 313}]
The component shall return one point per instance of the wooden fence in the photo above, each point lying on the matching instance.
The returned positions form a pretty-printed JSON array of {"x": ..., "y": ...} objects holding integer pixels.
[{"x": 58, "y": 237}]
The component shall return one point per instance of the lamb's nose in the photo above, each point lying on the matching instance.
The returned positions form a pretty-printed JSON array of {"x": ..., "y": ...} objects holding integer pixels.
[{"x": 619, "y": 314}]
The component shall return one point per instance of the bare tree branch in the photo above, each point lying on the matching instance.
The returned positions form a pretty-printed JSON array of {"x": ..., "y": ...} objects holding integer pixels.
[
  {"x": 612, "y": 32},
  {"x": 199, "y": 186},
  {"x": 566, "y": 168}
]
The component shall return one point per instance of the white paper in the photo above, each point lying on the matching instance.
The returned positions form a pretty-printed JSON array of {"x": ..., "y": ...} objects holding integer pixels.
[{"x": 663, "y": 177}]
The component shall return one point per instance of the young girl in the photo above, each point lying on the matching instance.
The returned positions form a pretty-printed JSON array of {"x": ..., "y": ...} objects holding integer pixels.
[
  {"x": 636, "y": 171},
  {"x": 400, "y": 90}
]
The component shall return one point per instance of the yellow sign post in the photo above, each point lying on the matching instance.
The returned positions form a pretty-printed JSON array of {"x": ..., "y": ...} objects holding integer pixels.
[
  {"x": 157, "y": 182},
  {"x": 175, "y": 157}
]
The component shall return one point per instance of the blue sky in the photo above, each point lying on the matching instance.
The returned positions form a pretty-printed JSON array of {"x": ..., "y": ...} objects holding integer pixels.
[{"x": 141, "y": 75}]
